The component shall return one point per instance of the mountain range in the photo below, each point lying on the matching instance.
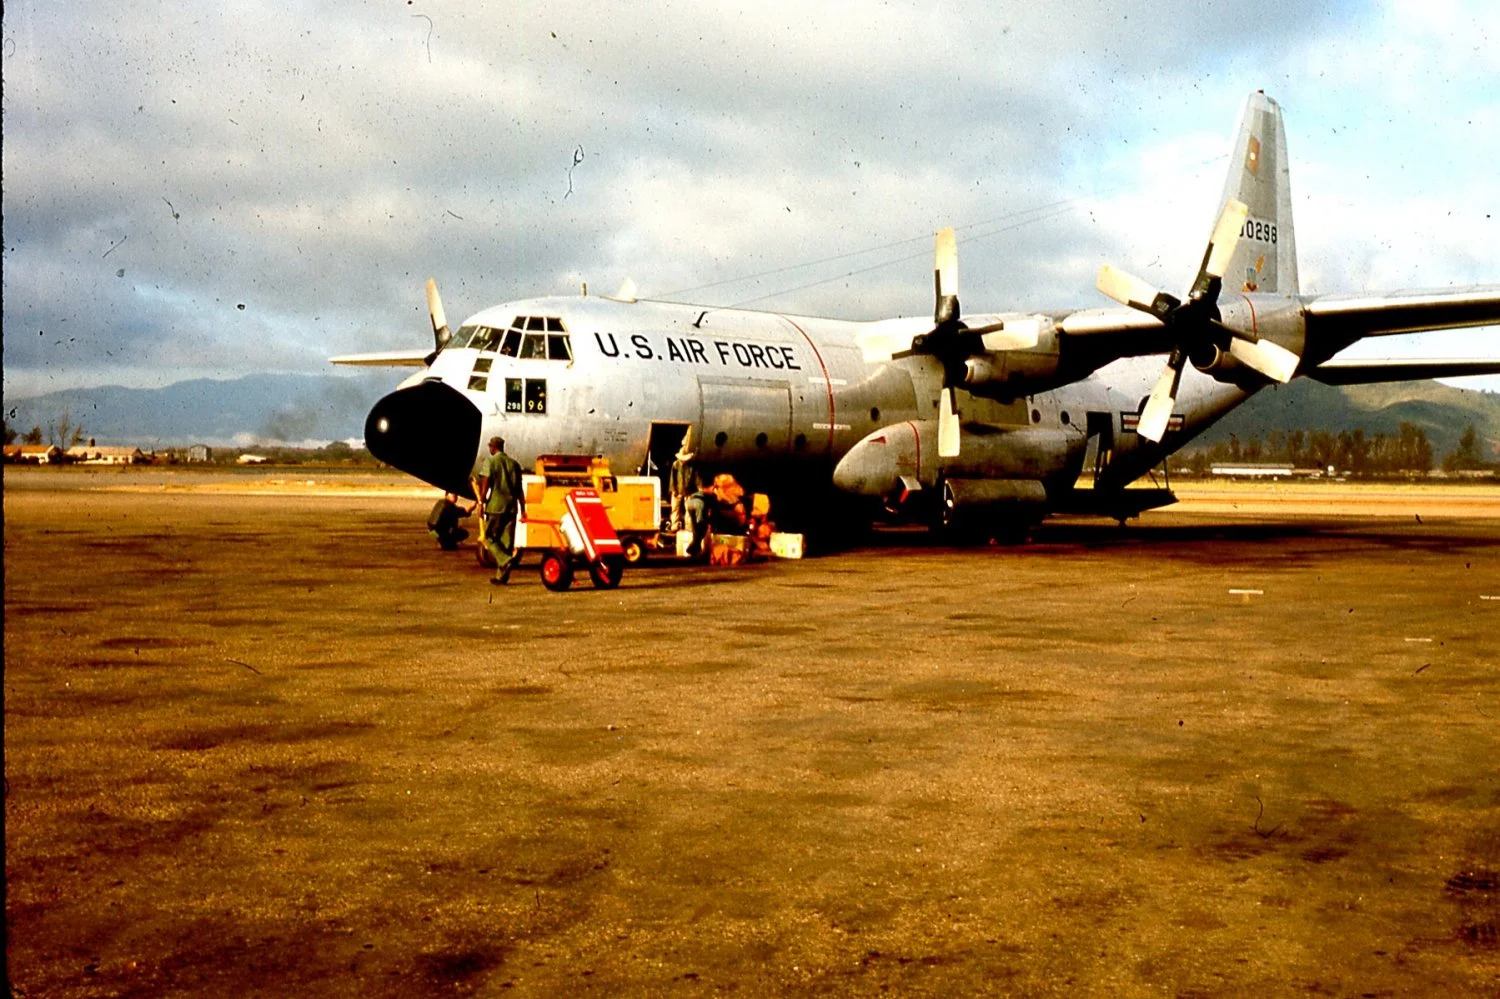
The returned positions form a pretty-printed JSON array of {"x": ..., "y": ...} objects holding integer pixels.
[{"x": 295, "y": 408}]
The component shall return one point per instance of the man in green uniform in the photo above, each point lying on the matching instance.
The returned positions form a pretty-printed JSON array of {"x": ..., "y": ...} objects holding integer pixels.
[{"x": 499, "y": 490}]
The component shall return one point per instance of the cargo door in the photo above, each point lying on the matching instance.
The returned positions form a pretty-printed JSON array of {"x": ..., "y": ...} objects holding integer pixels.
[{"x": 745, "y": 418}]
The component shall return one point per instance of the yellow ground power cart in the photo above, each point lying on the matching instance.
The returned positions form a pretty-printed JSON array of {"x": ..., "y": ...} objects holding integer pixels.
[{"x": 633, "y": 503}]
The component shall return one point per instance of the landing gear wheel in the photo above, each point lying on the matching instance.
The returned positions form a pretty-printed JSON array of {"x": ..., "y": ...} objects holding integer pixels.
[
  {"x": 634, "y": 550},
  {"x": 607, "y": 571},
  {"x": 483, "y": 555},
  {"x": 557, "y": 572}
]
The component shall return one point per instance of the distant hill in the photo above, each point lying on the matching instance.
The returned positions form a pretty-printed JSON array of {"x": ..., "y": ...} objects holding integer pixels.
[
  {"x": 1443, "y": 412},
  {"x": 262, "y": 408},
  {"x": 272, "y": 408}
]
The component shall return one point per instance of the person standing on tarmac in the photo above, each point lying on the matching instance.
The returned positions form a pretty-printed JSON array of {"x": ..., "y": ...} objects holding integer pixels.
[
  {"x": 499, "y": 490},
  {"x": 684, "y": 481}
]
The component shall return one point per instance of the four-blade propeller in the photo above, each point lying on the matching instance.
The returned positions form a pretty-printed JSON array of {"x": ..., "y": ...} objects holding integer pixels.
[
  {"x": 1195, "y": 324},
  {"x": 952, "y": 341}
]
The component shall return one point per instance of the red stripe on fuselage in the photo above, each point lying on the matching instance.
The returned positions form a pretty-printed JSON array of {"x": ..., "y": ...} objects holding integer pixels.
[{"x": 827, "y": 380}]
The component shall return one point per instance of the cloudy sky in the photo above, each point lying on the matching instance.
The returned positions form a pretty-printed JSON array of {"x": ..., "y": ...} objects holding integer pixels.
[{"x": 212, "y": 190}]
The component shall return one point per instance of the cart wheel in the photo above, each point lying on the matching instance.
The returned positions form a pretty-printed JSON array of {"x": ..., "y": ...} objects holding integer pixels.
[
  {"x": 557, "y": 572},
  {"x": 634, "y": 550},
  {"x": 607, "y": 571}
]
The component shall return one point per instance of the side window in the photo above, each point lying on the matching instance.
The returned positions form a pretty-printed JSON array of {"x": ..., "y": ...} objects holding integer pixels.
[
  {"x": 534, "y": 346},
  {"x": 558, "y": 348},
  {"x": 536, "y": 323},
  {"x": 512, "y": 345},
  {"x": 462, "y": 337},
  {"x": 554, "y": 325},
  {"x": 536, "y": 395},
  {"x": 478, "y": 383},
  {"x": 513, "y": 402}
]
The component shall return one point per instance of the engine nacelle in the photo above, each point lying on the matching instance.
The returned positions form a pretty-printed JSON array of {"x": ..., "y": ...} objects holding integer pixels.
[
  {"x": 1018, "y": 372},
  {"x": 1019, "y": 359},
  {"x": 1210, "y": 360}
]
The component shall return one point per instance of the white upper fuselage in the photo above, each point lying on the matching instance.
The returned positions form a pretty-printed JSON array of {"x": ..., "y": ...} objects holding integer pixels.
[{"x": 773, "y": 398}]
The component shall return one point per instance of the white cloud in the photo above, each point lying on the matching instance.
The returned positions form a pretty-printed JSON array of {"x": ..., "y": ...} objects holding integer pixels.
[{"x": 321, "y": 160}]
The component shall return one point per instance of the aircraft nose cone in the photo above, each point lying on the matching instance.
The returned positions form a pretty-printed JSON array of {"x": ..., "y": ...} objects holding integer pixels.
[{"x": 430, "y": 431}]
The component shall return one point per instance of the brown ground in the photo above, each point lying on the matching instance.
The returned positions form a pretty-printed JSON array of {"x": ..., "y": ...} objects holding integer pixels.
[{"x": 281, "y": 745}]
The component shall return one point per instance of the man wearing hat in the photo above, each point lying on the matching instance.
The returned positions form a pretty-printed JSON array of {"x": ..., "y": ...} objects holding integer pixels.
[
  {"x": 684, "y": 480},
  {"x": 499, "y": 490}
]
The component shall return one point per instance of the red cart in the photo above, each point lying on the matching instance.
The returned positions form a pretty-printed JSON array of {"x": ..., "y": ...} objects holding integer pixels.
[{"x": 591, "y": 542}]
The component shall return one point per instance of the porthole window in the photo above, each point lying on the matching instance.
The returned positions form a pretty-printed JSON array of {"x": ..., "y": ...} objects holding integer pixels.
[
  {"x": 1036, "y": 416},
  {"x": 874, "y": 414},
  {"x": 799, "y": 443},
  {"x": 720, "y": 439},
  {"x": 760, "y": 440},
  {"x": 1065, "y": 418}
]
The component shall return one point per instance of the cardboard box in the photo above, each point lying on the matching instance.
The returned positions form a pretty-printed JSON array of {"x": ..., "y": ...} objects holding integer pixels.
[{"x": 786, "y": 545}]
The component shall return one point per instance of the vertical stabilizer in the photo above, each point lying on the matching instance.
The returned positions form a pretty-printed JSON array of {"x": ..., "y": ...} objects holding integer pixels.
[{"x": 1265, "y": 258}]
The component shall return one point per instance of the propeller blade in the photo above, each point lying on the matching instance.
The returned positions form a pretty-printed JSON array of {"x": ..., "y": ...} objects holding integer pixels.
[
  {"x": 1270, "y": 359},
  {"x": 1158, "y": 412},
  {"x": 440, "y": 332},
  {"x": 1132, "y": 291},
  {"x": 1226, "y": 236},
  {"x": 945, "y": 278},
  {"x": 948, "y": 428}
]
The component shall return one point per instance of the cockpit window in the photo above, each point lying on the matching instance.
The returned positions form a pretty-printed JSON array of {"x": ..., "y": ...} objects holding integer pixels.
[
  {"x": 534, "y": 338},
  {"x": 533, "y": 346},
  {"x": 486, "y": 338}
]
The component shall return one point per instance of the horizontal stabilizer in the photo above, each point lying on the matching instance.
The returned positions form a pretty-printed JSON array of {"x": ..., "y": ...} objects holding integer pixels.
[
  {"x": 1361, "y": 372},
  {"x": 386, "y": 359}
]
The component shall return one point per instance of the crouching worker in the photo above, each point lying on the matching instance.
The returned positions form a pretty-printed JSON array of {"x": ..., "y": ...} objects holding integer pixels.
[
  {"x": 719, "y": 507},
  {"x": 499, "y": 491}
]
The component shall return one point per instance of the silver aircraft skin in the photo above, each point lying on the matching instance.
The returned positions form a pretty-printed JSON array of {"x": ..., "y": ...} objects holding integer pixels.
[{"x": 980, "y": 421}]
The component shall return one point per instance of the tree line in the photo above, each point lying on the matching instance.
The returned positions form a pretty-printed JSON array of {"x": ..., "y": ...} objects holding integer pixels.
[{"x": 1408, "y": 451}]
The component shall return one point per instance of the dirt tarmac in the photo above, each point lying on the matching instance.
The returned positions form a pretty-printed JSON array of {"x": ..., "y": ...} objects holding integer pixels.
[{"x": 275, "y": 745}]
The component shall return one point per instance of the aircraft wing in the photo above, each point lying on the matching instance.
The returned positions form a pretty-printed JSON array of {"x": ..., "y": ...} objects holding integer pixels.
[
  {"x": 1112, "y": 333},
  {"x": 1348, "y": 317},
  {"x": 1360, "y": 372},
  {"x": 386, "y": 359}
]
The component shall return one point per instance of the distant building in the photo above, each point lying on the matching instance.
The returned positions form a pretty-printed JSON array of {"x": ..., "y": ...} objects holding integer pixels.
[
  {"x": 94, "y": 454},
  {"x": 1253, "y": 471},
  {"x": 33, "y": 454},
  {"x": 200, "y": 452},
  {"x": 251, "y": 459}
]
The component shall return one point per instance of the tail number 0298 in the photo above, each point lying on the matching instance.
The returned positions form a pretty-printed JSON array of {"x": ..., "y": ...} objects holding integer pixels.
[{"x": 1264, "y": 232}]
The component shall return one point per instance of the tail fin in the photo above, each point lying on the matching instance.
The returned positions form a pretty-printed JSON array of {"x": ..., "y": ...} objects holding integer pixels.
[{"x": 1266, "y": 257}]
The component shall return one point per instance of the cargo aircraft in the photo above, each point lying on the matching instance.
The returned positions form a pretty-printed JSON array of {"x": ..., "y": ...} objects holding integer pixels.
[{"x": 981, "y": 424}]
